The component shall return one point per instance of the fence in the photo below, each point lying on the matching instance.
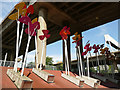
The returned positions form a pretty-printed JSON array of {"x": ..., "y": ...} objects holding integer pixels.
[
  {"x": 48, "y": 67},
  {"x": 11, "y": 64}
]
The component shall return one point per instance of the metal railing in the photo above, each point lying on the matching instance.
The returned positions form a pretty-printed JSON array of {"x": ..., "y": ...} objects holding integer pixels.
[
  {"x": 48, "y": 67},
  {"x": 11, "y": 64}
]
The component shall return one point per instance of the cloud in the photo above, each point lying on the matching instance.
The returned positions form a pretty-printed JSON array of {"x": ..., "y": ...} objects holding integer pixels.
[
  {"x": 103, "y": 31},
  {"x": 9, "y": 0},
  {"x": 30, "y": 57},
  {"x": 5, "y": 7}
]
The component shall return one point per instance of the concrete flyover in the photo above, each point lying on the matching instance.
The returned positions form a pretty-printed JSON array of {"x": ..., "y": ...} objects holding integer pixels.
[{"x": 80, "y": 16}]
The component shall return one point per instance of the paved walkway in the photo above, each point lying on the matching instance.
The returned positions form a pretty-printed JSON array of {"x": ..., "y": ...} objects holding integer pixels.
[{"x": 38, "y": 82}]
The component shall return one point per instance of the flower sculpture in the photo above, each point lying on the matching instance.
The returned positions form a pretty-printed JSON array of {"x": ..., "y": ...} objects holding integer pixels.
[
  {"x": 20, "y": 6},
  {"x": 106, "y": 52},
  {"x": 21, "y": 11},
  {"x": 96, "y": 48},
  {"x": 88, "y": 49},
  {"x": 32, "y": 25},
  {"x": 31, "y": 31},
  {"x": 15, "y": 16},
  {"x": 30, "y": 10},
  {"x": 64, "y": 34},
  {"x": 77, "y": 39},
  {"x": 46, "y": 35}
]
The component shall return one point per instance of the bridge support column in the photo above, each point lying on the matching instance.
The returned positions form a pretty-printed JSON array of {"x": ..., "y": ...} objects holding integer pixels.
[
  {"x": 43, "y": 26},
  {"x": 12, "y": 56},
  {"x": 115, "y": 66}
]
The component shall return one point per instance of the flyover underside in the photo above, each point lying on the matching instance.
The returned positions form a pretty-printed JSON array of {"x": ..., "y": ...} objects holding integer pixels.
[{"x": 81, "y": 16}]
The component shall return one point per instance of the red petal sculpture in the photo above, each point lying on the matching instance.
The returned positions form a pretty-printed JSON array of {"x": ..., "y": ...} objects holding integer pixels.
[
  {"x": 30, "y": 32},
  {"x": 96, "y": 48},
  {"x": 25, "y": 20},
  {"x": 84, "y": 53},
  {"x": 36, "y": 25},
  {"x": 64, "y": 32},
  {"x": 30, "y": 9},
  {"x": 32, "y": 27},
  {"x": 88, "y": 48},
  {"x": 45, "y": 32},
  {"x": 41, "y": 37}
]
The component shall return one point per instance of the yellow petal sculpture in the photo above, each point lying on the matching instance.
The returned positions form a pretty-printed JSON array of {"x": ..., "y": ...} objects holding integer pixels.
[{"x": 34, "y": 20}]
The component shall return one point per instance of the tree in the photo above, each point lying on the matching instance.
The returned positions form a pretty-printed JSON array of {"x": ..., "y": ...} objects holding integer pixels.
[
  {"x": 49, "y": 61},
  {"x": 60, "y": 66}
]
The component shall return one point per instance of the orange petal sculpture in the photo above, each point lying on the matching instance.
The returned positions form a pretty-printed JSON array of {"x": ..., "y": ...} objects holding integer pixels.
[
  {"x": 19, "y": 7},
  {"x": 14, "y": 16},
  {"x": 77, "y": 38},
  {"x": 34, "y": 20},
  {"x": 64, "y": 32},
  {"x": 22, "y": 10}
]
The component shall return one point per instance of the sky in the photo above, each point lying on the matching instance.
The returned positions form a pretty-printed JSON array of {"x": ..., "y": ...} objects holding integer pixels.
[{"x": 54, "y": 50}]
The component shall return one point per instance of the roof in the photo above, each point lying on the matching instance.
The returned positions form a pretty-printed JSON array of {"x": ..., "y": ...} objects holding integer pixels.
[
  {"x": 40, "y": 83},
  {"x": 81, "y": 16}
]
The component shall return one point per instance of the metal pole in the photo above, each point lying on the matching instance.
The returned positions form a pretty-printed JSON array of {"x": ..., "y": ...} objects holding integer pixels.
[
  {"x": 88, "y": 66},
  {"x": 79, "y": 65},
  {"x": 66, "y": 54},
  {"x": 98, "y": 63},
  {"x": 29, "y": 38},
  {"x": 21, "y": 36},
  {"x": 80, "y": 60},
  {"x": 18, "y": 23},
  {"x": 5, "y": 59}
]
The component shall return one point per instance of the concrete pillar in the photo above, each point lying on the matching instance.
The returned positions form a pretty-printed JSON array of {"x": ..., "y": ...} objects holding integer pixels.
[
  {"x": 43, "y": 26},
  {"x": 115, "y": 66},
  {"x": 105, "y": 65},
  {"x": 12, "y": 55}
]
